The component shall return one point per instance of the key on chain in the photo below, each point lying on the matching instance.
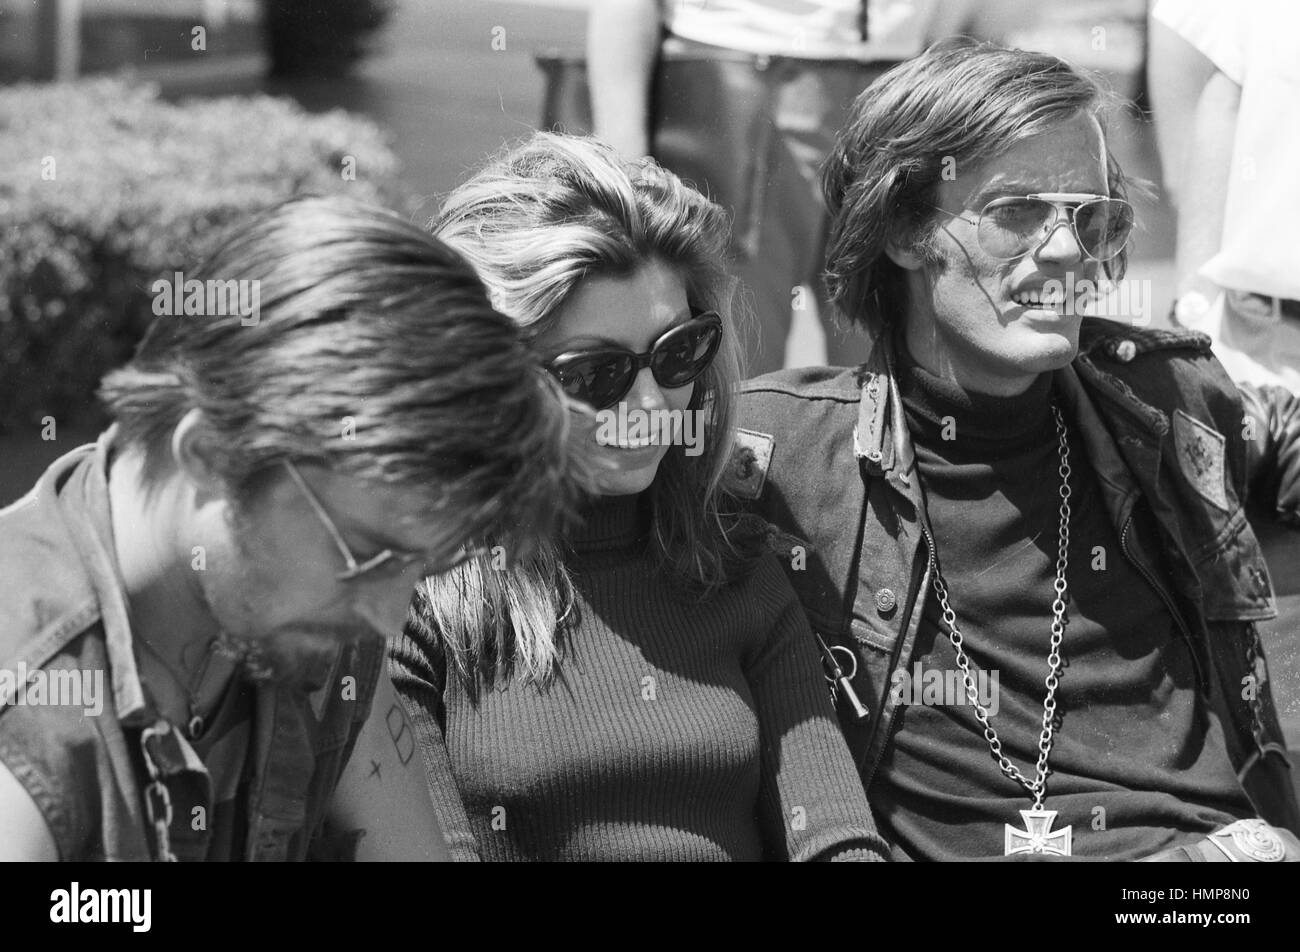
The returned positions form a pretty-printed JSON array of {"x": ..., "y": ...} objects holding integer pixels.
[{"x": 837, "y": 679}]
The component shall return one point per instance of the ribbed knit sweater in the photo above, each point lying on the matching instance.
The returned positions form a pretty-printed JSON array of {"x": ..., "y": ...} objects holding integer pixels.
[{"x": 676, "y": 729}]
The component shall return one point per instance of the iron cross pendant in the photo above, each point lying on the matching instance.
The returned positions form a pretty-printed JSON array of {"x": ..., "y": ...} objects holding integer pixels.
[{"x": 1038, "y": 835}]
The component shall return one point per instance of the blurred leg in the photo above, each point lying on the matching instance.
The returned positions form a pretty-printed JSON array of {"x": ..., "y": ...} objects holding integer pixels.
[
  {"x": 811, "y": 114},
  {"x": 769, "y": 279}
]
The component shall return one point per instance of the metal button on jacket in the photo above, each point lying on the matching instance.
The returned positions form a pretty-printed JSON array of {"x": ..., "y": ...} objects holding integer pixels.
[{"x": 885, "y": 600}]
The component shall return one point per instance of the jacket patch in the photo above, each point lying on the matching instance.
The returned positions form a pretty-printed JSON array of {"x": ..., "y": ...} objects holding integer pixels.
[
  {"x": 750, "y": 458},
  {"x": 1201, "y": 456}
]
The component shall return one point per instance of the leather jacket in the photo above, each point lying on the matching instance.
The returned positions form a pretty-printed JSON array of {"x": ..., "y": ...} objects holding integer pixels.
[{"x": 825, "y": 457}]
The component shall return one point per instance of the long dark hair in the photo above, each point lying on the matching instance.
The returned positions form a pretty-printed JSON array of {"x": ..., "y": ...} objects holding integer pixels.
[{"x": 958, "y": 102}]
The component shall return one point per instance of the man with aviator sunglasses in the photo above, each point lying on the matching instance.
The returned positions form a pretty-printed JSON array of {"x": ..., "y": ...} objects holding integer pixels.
[{"x": 1009, "y": 486}]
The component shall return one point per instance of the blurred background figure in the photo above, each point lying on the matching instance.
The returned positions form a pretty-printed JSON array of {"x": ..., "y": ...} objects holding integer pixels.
[
  {"x": 794, "y": 68},
  {"x": 1223, "y": 82}
]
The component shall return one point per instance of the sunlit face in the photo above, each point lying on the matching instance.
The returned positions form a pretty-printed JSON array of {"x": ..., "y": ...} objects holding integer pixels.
[
  {"x": 270, "y": 578},
  {"x": 632, "y": 312},
  {"x": 964, "y": 322}
]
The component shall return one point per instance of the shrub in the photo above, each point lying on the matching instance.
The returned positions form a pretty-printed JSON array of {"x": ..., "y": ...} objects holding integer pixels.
[
  {"x": 111, "y": 189},
  {"x": 320, "y": 37}
]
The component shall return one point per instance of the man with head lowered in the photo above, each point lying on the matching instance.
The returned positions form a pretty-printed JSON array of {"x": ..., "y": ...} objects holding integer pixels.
[
  {"x": 231, "y": 553},
  {"x": 1021, "y": 527}
]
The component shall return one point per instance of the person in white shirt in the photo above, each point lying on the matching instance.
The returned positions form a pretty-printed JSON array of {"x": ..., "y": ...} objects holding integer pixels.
[{"x": 1225, "y": 83}]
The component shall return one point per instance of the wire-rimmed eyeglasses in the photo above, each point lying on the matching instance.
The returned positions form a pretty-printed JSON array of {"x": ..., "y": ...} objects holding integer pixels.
[
  {"x": 388, "y": 562},
  {"x": 1012, "y": 226}
]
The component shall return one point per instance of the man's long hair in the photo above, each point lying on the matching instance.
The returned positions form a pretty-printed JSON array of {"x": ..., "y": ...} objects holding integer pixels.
[
  {"x": 958, "y": 103},
  {"x": 537, "y": 222},
  {"x": 376, "y": 353}
]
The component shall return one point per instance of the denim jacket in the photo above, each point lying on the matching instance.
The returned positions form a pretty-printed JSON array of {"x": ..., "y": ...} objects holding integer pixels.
[
  {"x": 825, "y": 456},
  {"x": 62, "y": 607}
]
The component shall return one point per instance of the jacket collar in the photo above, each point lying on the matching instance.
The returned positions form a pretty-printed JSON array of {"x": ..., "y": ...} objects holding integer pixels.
[
  {"x": 79, "y": 482},
  {"x": 883, "y": 445},
  {"x": 880, "y": 438}
]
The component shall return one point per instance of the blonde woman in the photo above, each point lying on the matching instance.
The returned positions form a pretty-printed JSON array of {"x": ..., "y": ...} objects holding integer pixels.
[{"x": 647, "y": 688}]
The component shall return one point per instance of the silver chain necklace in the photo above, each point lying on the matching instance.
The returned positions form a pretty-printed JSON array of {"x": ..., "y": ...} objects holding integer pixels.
[{"x": 1038, "y": 835}]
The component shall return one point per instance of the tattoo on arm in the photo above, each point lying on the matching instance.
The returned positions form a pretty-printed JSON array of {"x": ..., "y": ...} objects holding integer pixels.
[
  {"x": 374, "y": 770},
  {"x": 403, "y": 737}
]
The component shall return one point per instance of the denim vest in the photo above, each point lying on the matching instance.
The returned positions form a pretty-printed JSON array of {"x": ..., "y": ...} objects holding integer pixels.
[
  {"x": 826, "y": 458},
  {"x": 62, "y": 607}
]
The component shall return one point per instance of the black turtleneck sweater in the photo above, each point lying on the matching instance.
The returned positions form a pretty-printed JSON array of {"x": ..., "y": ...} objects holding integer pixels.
[
  {"x": 677, "y": 729},
  {"x": 1138, "y": 762}
]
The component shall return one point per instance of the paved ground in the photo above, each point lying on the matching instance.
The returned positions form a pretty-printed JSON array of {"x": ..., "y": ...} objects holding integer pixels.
[{"x": 444, "y": 87}]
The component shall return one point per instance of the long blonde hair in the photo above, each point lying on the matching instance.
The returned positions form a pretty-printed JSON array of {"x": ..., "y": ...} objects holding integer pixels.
[{"x": 535, "y": 222}]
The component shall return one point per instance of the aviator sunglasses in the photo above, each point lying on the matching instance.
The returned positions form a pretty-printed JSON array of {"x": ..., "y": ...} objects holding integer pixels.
[
  {"x": 602, "y": 377},
  {"x": 1011, "y": 227}
]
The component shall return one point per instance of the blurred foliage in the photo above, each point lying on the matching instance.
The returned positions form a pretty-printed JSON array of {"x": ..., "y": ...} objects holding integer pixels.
[
  {"x": 140, "y": 188},
  {"x": 321, "y": 37}
]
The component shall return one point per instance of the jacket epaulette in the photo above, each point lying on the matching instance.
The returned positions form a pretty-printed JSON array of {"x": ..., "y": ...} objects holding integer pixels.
[{"x": 1124, "y": 342}]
